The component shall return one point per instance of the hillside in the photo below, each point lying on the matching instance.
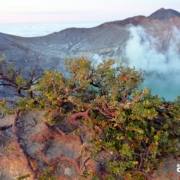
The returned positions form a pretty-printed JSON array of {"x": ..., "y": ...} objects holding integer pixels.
[{"x": 106, "y": 40}]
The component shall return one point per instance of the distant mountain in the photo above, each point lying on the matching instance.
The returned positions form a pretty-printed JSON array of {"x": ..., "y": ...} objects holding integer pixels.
[
  {"x": 107, "y": 40},
  {"x": 162, "y": 14}
]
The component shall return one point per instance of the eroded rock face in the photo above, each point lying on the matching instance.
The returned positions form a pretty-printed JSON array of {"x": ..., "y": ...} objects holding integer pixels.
[
  {"x": 29, "y": 147},
  {"x": 49, "y": 147},
  {"x": 13, "y": 162}
]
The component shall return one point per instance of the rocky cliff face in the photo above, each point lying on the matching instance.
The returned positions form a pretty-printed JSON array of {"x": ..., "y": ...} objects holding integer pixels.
[{"x": 29, "y": 147}]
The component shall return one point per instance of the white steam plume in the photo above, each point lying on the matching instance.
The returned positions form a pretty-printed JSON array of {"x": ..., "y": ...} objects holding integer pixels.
[{"x": 162, "y": 67}]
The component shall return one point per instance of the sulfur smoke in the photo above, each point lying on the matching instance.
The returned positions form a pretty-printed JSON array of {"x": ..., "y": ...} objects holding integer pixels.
[{"x": 160, "y": 66}]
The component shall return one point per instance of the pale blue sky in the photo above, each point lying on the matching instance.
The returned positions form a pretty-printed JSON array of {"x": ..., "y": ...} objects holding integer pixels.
[{"x": 77, "y": 11}]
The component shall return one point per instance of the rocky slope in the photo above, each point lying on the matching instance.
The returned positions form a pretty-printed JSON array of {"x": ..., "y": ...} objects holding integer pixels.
[{"x": 29, "y": 147}]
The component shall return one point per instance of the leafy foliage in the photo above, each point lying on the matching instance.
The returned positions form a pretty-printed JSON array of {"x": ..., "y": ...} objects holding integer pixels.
[
  {"x": 134, "y": 128},
  {"x": 140, "y": 136},
  {"x": 47, "y": 175}
]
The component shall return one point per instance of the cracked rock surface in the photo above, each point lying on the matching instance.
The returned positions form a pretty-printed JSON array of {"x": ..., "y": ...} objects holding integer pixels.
[{"x": 28, "y": 147}]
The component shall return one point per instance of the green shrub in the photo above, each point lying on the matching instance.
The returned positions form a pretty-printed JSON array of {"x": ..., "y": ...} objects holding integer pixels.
[{"x": 135, "y": 128}]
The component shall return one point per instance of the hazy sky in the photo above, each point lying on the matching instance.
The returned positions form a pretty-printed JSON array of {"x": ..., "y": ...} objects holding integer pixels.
[
  {"x": 41, "y": 17},
  {"x": 75, "y": 11}
]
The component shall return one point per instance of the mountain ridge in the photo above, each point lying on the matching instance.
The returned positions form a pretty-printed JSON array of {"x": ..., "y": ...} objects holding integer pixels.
[
  {"x": 167, "y": 13},
  {"x": 106, "y": 40}
]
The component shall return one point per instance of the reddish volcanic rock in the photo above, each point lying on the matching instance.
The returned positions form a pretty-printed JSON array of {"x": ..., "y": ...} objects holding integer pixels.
[
  {"x": 13, "y": 162},
  {"x": 51, "y": 147},
  {"x": 30, "y": 147}
]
